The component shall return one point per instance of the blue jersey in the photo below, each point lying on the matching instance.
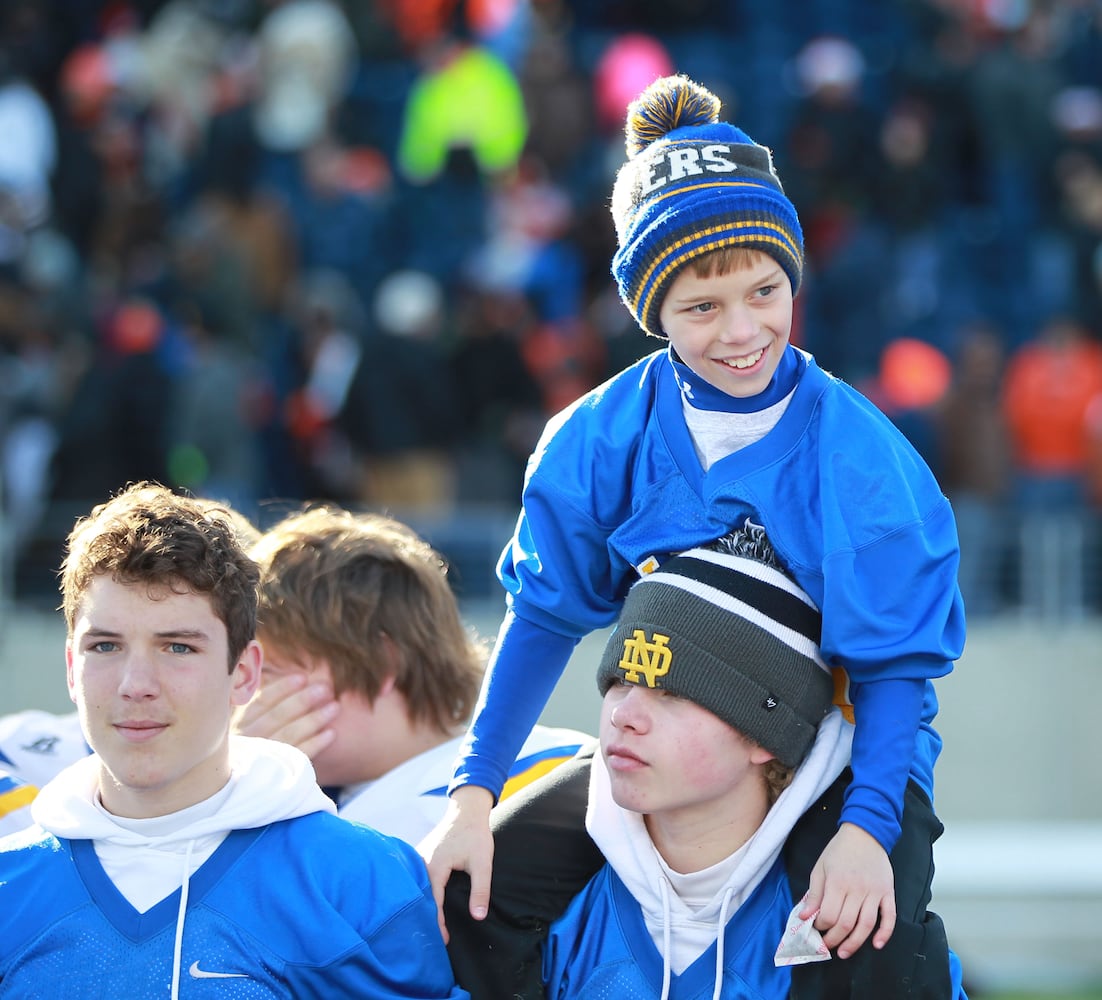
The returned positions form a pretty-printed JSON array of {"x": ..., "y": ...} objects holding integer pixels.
[
  {"x": 601, "y": 948},
  {"x": 615, "y": 486},
  {"x": 272, "y": 913}
]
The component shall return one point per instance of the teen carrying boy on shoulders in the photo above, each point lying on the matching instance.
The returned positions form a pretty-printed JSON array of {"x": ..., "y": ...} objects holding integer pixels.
[
  {"x": 717, "y": 735},
  {"x": 731, "y": 422}
]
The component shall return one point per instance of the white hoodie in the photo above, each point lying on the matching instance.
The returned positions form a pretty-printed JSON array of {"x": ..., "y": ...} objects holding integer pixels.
[
  {"x": 148, "y": 859},
  {"x": 686, "y": 913}
]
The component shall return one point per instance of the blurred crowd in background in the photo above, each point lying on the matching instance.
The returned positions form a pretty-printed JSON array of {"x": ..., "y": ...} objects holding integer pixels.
[{"x": 276, "y": 251}]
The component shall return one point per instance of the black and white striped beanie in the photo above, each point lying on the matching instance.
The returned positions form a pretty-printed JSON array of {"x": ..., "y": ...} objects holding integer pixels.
[{"x": 733, "y": 634}]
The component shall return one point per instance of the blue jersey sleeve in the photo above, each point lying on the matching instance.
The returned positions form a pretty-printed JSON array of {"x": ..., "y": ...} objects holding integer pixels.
[
  {"x": 892, "y": 608},
  {"x": 883, "y": 745},
  {"x": 402, "y": 954},
  {"x": 562, "y": 575},
  {"x": 527, "y": 662}
]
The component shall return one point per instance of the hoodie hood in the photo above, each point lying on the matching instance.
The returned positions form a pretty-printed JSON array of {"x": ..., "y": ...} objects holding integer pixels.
[
  {"x": 683, "y": 930},
  {"x": 269, "y": 781}
]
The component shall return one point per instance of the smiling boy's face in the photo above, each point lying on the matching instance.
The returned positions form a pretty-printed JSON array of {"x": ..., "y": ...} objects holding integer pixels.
[
  {"x": 148, "y": 669},
  {"x": 731, "y": 329}
]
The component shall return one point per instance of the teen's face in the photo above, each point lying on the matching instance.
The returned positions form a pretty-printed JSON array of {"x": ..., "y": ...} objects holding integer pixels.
[
  {"x": 669, "y": 757},
  {"x": 731, "y": 329},
  {"x": 149, "y": 674}
]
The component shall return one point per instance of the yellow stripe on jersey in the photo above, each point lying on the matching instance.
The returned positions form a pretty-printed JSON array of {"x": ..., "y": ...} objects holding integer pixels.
[
  {"x": 16, "y": 798},
  {"x": 530, "y": 774},
  {"x": 841, "y": 693}
]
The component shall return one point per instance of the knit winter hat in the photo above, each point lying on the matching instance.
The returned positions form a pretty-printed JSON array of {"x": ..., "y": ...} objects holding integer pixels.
[
  {"x": 733, "y": 634},
  {"x": 692, "y": 184}
]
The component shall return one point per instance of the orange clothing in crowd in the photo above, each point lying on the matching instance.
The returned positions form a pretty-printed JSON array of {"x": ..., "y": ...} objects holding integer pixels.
[
  {"x": 1048, "y": 389},
  {"x": 1094, "y": 450}
]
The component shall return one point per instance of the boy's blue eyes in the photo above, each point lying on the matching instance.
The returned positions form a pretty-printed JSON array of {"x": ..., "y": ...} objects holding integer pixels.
[
  {"x": 762, "y": 293},
  {"x": 108, "y": 646}
]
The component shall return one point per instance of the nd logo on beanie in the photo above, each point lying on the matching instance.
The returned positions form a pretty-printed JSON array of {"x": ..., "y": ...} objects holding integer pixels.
[{"x": 735, "y": 635}]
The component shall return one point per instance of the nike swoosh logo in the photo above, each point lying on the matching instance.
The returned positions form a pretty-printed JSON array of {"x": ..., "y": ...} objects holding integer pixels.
[{"x": 196, "y": 973}]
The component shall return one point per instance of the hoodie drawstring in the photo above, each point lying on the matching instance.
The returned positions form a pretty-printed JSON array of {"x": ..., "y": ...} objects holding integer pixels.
[
  {"x": 664, "y": 886},
  {"x": 721, "y": 933},
  {"x": 178, "y": 947}
]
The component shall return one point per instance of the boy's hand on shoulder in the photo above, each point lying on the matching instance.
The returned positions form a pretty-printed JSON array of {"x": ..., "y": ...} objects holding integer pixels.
[
  {"x": 851, "y": 885},
  {"x": 462, "y": 842},
  {"x": 292, "y": 710}
]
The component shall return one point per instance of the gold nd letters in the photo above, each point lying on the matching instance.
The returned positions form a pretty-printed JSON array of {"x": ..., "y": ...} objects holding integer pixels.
[{"x": 651, "y": 659}]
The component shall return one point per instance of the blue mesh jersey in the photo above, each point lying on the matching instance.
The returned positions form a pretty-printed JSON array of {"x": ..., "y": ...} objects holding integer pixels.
[
  {"x": 854, "y": 513},
  {"x": 600, "y": 948},
  {"x": 268, "y": 915}
]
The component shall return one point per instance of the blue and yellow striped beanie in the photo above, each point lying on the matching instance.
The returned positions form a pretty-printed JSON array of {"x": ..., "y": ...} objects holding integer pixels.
[{"x": 692, "y": 184}]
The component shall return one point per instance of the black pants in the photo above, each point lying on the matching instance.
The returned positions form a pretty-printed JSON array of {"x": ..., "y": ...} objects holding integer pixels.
[
  {"x": 915, "y": 962},
  {"x": 543, "y": 858}
]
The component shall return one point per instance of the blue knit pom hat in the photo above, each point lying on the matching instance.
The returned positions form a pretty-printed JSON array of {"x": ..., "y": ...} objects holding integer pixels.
[{"x": 692, "y": 184}]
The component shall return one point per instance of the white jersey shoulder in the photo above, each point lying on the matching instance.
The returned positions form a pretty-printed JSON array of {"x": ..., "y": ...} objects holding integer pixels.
[
  {"x": 408, "y": 801},
  {"x": 36, "y": 745}
]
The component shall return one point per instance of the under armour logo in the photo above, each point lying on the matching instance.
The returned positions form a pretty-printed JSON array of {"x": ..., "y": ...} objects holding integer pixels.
[
  {"x": 683, "y": 384},
  {"x": 651, "y": 659}
]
